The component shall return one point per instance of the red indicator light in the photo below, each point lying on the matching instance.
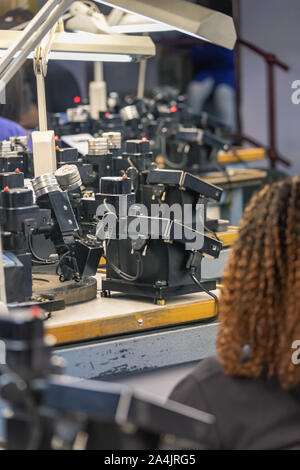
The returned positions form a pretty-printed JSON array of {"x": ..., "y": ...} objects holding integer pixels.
[
  {"x": 77, "y": 99},
  {"x": 35, "y": 311},
  {"x": 174, "y": 109}
]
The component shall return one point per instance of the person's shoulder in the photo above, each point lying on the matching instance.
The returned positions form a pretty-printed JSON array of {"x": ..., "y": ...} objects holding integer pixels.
[
  {"x": 207, "y": 369},
  {"x": 194, "y": 389},
  {"x": 13, "y": 127}
]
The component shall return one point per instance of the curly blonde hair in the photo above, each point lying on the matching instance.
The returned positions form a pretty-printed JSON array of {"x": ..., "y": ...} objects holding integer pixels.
[{"x": 260, "y": 300}]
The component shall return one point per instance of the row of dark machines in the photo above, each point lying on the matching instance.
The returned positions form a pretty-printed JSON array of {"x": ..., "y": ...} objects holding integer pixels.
[{"x": 149, "y": 224}]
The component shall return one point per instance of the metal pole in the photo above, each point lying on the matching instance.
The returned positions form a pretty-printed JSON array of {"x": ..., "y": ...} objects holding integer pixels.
[
  {"x": 41, "y": 98},
  {"x": 2, "y": 278},
  {"x": 142, "y": 79},
  {"x": 272, "y": 115},
  {"x": 98, "y": 72}
]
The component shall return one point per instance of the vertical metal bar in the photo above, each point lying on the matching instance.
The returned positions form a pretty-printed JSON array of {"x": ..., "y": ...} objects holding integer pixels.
[
  {"x": 98, "y": 72},
  {"x": 272, "y": 114},
  {"x": 142, "y": 79},
  {"x": 2, "y": 277},
  {"x": 238, "y": 68},
  {"x": 41, "y": 98}
]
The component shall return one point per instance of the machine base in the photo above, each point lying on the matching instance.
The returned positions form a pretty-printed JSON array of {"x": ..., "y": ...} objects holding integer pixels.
[
  {"x": 70, "y": 292},
  {"x": 158, "y": 293}
]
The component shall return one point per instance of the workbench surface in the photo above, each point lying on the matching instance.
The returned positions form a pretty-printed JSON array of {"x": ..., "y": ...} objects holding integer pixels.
[
  {"x": 120, "y": 314},
  {"x": 105, "y": 317},
  {"x": 241, "y": 155},
  {"x": 236, "y": 178}
]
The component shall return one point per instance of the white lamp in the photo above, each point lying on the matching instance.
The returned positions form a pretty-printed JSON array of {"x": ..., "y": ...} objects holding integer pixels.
[
  {"x": 127, "y": 23},
  {"x": 194, "y": 20},
  {"x": 166, "y": 15},
  {"x": 89, "y": 47}
]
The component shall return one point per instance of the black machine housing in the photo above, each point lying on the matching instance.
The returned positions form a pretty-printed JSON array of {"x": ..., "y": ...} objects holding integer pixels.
[{"x": 158, "y": 268}]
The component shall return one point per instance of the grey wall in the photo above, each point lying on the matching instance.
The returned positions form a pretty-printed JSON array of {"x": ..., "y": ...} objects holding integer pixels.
[{"x": 274, "y": 26}]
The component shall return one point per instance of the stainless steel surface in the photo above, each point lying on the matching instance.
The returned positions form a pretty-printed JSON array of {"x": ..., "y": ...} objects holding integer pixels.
[
  {"x": 114, "y": 139},
  {"x": 79, "y": 114},
  {"x": 19, "y": 143},
  {"x": 5, "y": 147},
  {"x": 45, "y": 184},
  {"x": 68, "y": 177},
  {"x": 98, "y": 146},
  {"x": 129, "y": 113},
  {"x": 140, "y": 353}
]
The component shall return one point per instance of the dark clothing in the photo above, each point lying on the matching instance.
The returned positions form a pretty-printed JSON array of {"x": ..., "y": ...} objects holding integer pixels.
[
  {"x": 61, "y": 87},
  {"x": 250, "y": 414},
  {"x": 215, "y": 62}
]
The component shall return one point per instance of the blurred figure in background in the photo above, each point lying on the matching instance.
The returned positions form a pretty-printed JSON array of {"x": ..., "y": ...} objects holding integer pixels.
[
  {"x": 61, "y": 86},
  {"x": 10, "y": 113},
  {"x": 214, "y": 82}
]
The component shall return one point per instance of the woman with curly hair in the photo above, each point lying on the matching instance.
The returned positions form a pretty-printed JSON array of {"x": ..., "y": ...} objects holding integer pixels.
[{"x": 253, "y": 386}]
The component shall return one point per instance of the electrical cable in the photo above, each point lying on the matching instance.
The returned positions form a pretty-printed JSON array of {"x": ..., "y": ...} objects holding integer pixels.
[
  {"x": 126, "y": 276},
  {"x": 122, "y": 274},
  {"x": 59, "y": 263},
  {"x": 212, "y": 232},
  {"x": 134, "y": 180},
  {"x": 201, "y": 286},
  {"x": 38, "y": 259}
]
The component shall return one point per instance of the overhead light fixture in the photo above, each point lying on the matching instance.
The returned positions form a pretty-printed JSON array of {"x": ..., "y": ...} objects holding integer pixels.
[
  {"x": 87, "y": 57},
  {"x": 127, "y": 23},
  {"x": 186, "y": 17},
  {"x": 44, "y": 37},
  {"x": 141, "y": 28},
  {"x": 89, "y": 47}
]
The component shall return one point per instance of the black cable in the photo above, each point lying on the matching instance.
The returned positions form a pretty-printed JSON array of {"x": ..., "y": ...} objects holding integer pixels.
[
  {"x": 235, "y": 153},
  {"x": 176, "y": 165},
  {"x": 208, "y": 292},
  {"x": 135, "y": 184},
  {"x": 212, "y": 232},
  {"x": 122, "y": 274},
  {"x": 36, "y": 257},
  {"x": 126, "y": 276},
  {"x": 59, "y": 264}
]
